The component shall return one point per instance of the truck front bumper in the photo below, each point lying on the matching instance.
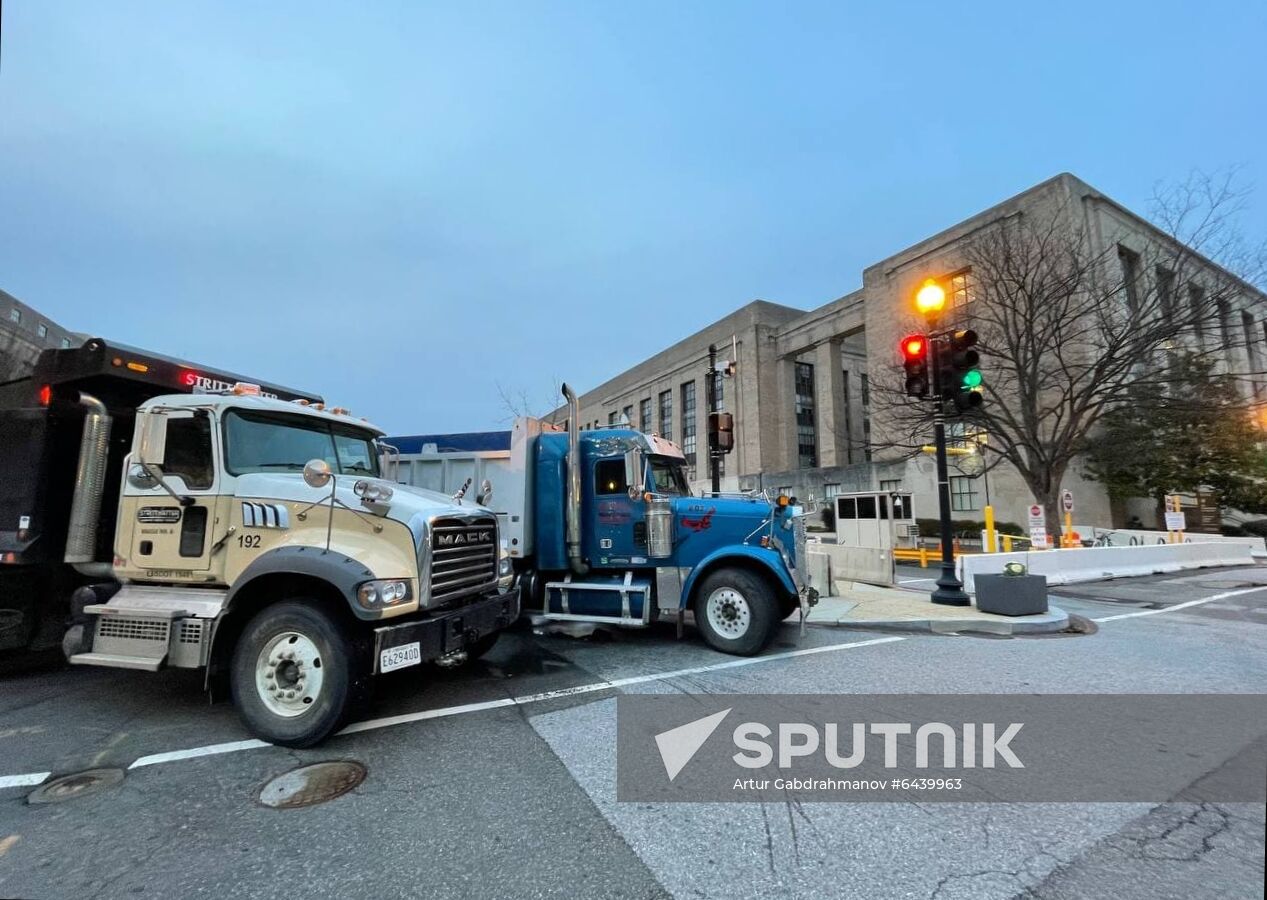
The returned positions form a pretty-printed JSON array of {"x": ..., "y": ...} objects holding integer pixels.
[{"x": 449, "y": 631}]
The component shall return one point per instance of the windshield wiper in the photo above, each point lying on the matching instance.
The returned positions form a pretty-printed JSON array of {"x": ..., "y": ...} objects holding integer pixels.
[{"x": 280, "y": 465}]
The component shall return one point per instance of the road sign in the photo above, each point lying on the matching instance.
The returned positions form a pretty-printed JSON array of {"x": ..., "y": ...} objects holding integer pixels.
[
  {"x": 1038, "y": 537},
  {"x": 1175, "y": 522},
  {"x": 1066, "y": 500},
  {"x": 1037, "y": 518}
]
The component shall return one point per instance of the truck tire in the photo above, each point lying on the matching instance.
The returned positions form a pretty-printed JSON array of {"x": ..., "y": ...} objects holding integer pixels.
[
  {"x": 736, "y": 611},
  {"x": 295, "y": 675}
]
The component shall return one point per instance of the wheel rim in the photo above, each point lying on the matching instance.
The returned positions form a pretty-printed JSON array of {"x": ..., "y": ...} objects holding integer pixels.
[
  {"x": 289, "y": 674},
  {"x": 728, "y": 612}
]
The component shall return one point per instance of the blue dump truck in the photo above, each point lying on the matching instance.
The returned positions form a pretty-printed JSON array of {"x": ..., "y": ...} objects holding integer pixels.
[{"x": 601, "y": 527}]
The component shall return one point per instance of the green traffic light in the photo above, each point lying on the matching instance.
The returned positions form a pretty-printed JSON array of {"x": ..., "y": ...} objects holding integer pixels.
[{"x": 972, "y": 379}]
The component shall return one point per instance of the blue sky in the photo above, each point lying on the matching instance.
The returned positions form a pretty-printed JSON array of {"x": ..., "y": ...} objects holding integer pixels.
[{"x": 405, "y": 205}]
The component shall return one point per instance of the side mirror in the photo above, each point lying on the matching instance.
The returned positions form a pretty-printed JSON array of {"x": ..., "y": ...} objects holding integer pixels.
[
  {"x": 317, "y": 473},
  {"x": 634, "y": 470},
  {"x": 485, "y": 496},
  {"x": 152, "y": 437},
  {"x": 140, "y": 477}
]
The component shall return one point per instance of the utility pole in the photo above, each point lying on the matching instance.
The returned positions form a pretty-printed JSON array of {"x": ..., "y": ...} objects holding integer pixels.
[{"x": 949, "y": 591}]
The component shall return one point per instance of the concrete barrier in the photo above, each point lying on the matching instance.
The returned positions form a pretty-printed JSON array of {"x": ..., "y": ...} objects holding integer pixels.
[
  {"x": 1099, "y": 563},
  {"x": 1137, "y": 538},
  {"x": 873, "y": 566}
]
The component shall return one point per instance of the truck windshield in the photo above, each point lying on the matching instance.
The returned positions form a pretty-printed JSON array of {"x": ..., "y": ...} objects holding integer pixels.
[
  {"x": 669, "y": 477},
  {"x": 268, "y": 442}
]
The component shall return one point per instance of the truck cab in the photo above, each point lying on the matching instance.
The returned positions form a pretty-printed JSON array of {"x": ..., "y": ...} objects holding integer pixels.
[
  {"x": 601, "y": 527},
  {"x": 252, "y": 536}
]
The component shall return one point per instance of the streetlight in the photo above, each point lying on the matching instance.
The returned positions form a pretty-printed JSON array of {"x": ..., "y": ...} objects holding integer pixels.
[{"x": 930, "y": 299}]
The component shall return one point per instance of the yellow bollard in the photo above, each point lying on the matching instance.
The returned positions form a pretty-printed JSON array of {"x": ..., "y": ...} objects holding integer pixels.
[
  {"x": 990, "y": 545},
  {"x": 1007, "y": 543},
  {"x": 923, "y": 557}
]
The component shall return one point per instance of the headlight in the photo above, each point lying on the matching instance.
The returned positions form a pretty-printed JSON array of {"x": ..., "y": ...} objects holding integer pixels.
[{"x": 375, "y": 595}]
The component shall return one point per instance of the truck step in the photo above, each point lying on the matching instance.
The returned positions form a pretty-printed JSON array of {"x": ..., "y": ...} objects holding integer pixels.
[
  {"x": 163, "y": 602},
  {"x": 117, "y": 661}
]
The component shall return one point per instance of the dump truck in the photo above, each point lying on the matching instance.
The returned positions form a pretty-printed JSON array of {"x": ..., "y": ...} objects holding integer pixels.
[
  {"x": 601, "y": 527},
  {"x": 155, "y": 513}
]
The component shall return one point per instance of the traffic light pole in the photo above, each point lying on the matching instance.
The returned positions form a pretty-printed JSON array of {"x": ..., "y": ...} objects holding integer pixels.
[
  {"x": 949, "y": 590},
  {"x": 710, "y": 394}
]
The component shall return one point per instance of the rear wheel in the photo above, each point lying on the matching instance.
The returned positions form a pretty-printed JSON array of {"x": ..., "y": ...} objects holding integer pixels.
[
  {"x": 295, "y": 675},
  {"x": 736, "y": 612}
]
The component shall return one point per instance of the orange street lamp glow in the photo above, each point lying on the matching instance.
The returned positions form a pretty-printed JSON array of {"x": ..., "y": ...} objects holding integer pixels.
[{"x": 930, "y": 298}]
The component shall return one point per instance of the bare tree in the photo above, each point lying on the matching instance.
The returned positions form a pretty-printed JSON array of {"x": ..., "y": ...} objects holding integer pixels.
[
  {"x": 1073, "y": 323},
  {"x": 517, "y": 403}
]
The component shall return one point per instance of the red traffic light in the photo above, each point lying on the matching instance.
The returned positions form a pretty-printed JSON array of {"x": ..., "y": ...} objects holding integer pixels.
[{"x": 915, "y": 346}]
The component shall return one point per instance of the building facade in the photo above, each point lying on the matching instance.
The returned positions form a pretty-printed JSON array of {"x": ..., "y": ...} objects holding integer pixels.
[
  {"x": 802, "y": 397},
  {"x": 24, "y": 333}
]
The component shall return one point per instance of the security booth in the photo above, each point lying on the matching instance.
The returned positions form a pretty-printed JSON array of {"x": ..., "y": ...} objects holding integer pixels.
[{"x": 880, "y": 520}]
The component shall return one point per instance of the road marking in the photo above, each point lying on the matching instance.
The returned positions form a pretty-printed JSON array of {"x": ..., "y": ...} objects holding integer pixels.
[
  {"x": 28, "y": 780},
  {"x": 1179, "y": 606},
  {"x": 449, "y": 711},
  {"x": 914, "y": 580},
  {"x": 7, "y": 843}
]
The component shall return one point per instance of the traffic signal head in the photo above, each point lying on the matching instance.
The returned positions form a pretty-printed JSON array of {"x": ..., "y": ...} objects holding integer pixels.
[
  {"x": 721, "y": 432},
  {"x": 960, "y": 376},
  {"x": 915, "y": 362}
]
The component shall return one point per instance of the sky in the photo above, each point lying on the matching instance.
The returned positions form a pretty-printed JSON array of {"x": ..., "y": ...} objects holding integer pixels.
[{"x": 414, "y": 208}]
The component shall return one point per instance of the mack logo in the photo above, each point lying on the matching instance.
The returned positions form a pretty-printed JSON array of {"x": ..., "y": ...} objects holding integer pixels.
[{"x": 475, "y": 537}]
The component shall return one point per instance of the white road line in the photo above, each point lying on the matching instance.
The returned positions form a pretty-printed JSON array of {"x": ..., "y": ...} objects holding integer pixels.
[
  {"x": 448, "y": 711},
  {"x": 914, "y": 580},
  {"x": 31, "y": 779},
  {"x": 1179, "y": 606}
]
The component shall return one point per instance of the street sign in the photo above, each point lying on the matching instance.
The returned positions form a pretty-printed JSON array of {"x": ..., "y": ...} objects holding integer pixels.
[
  {"x": 1066, "y": 500},
  {"x": 1038, "y": 537},
  {"x": 1175, "y": 521},
  {"x": 1037, "y": 518}
]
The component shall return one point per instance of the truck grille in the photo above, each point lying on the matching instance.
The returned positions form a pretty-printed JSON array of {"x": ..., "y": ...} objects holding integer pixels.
[{"x": 463, "y": 557}]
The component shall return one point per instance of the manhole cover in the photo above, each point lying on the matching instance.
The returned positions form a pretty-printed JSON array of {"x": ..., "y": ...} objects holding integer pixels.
[
  {"x": 316, "y": 783},
  {"x": 67, "y": 787}
]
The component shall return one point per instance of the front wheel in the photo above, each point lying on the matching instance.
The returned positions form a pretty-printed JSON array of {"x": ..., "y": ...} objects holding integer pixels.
[
  {"x": 295, "y": 674},
  {"x": 736, "y": 612}
]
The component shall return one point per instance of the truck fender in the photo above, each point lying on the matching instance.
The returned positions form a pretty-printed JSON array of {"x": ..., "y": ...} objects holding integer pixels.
[
  {"x": 765, "y": 557},
  {"x": 342, "y": 572},
  {"x": 339, "y": 572}
]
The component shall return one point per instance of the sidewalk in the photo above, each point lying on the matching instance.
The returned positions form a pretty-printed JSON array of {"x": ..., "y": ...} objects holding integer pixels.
[{"x": 859, "y": 605}]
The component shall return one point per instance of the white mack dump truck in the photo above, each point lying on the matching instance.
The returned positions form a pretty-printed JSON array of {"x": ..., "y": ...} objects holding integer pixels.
[{"x": 245, "y": 531}]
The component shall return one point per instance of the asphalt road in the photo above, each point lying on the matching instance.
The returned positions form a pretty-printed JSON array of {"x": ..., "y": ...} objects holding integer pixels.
[{"x": 502, "y": 799}]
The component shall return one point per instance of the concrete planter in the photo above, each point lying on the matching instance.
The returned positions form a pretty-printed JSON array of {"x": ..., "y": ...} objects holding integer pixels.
[{"x": 1012, "y": 595}]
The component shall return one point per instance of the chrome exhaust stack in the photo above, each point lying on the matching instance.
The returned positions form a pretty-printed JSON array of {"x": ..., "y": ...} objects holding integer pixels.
[
  {"x": 90, "y": 482},
  {"x": 573, "y": 499}
]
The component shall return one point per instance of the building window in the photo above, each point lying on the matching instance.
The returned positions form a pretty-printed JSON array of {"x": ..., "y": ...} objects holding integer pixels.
[
  {"x": 15, "y": 314},
  {"x": 666, "y": 415},
  {"x": 719, "y": 391},
  {"x": 65, "y": 343},
  {"x": 866, "y": 416},
  {"x": 626, "y": 415},
  {"x": 961, "y": 294},
  {"x": 1225, "y": 325},
  {"x": 806, "y": 440},
  {"x": 846, "y": 418},
  {"x": 613, "y": 417},
  {"x": 784, "y": 490},
  {"x": 831, "y": 490},
  {"x": 42, "y": 330},
  {"x": 963, "y": 493},
  {"x": 890, "y": 485},
  {"x": 644, "y": 415},
  {"x": 688, "y": 425},
  {"x": 1196, "y": 304},
  {"x": 1166, "y": 295},
  {"x": 1130, "y": 278}
]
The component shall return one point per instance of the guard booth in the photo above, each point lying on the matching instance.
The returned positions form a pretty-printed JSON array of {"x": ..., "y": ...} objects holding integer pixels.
[{"x": 870, "y": 525}]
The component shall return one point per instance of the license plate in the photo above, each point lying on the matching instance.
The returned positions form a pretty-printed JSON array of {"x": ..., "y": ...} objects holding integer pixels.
[{"x": 401, "y": 657}]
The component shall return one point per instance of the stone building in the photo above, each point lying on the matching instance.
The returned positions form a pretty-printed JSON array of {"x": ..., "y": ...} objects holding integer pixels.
[
  {"x": 24, "y": 332},
  {"x": 802, "y": 393}
]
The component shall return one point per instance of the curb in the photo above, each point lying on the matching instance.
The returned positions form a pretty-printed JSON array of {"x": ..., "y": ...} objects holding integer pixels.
[{"x": 1055, "y": 619}]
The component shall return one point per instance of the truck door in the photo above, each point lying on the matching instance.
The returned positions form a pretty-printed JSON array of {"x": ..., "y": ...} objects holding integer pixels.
[
  {"x": 613, "y": 516},
  {"x": 168, "y": 538}
]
